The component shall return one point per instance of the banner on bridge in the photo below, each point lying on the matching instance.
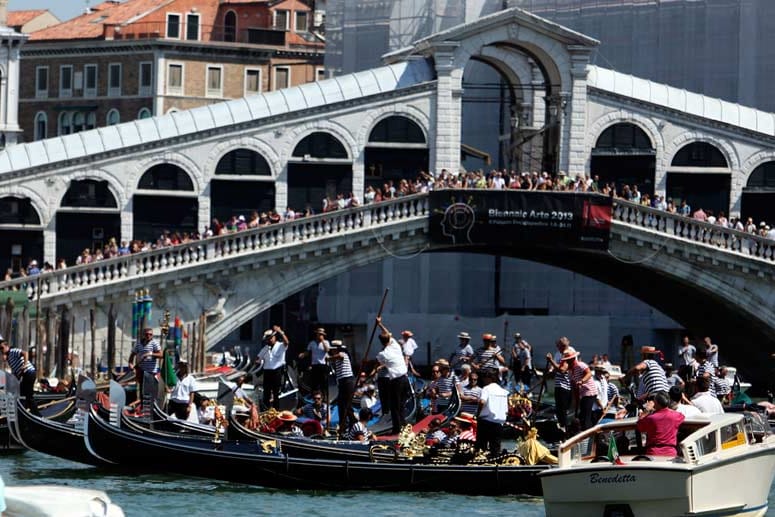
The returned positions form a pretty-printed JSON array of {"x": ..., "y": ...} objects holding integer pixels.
[{"x": 547, "y": 219}]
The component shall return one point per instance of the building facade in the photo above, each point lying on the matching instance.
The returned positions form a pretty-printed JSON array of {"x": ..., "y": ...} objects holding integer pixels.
[{"x": 113, "y": 65}]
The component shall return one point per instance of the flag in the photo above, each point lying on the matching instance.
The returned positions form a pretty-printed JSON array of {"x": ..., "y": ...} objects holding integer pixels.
[
  {"x": 613, "y": 452},
  {"x": 169, "y": 370}
]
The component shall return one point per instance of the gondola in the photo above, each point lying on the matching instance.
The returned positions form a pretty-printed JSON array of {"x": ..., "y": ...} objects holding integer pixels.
[
  {"x": 51, "y": 433},
  {"x": 258, "y": 463}
]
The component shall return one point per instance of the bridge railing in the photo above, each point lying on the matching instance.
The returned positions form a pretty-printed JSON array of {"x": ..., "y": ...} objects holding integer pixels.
[
  {"x": 676, "y": 225},
  {"x": 232, "y": 245}
]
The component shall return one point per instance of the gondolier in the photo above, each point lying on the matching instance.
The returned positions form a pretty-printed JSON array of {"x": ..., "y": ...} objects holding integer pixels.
[
  {"x": 392, "y": 360},
  {"x": 23, "y": 369},
  {"x": 316, "y": 351},
  {"x": 145, "y": 358},
  {"x": 493, "y": 407},
  {"x": 276, "y": 343}
]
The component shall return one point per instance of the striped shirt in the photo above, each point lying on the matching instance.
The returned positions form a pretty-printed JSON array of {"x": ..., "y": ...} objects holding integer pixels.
[
  {"x": 577, "y": 373},
  {"x": 462, "y": 352},
  {"x": 358, "y": 430},
  {"x": 652, "y": 379},
  {"x": 446, "y": 384},
  {"x": 148, "y": 364},
  {"x": 707, "y": 367},
  {"x": 19, "y": 365},
  {"x": 613, "y": 391},
  {"x": 486, "y": 357},
  {"x": 342, "y": 366},
  {"x": 561, "y": 379},
  {"x": 471, "y": 407}
]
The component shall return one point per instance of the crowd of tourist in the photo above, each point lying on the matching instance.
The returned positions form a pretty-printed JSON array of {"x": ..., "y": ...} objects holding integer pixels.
[{"x": 423, "y": 182}]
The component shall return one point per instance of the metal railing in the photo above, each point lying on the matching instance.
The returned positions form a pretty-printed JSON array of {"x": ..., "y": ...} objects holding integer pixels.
[{"x": 216, "y": 249}]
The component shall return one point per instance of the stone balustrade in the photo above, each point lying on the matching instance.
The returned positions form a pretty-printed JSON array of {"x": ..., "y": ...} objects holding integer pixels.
[
  {"x": 678, "y": 226},
  {"x": 373, "y": 216},
  {"x": 216, "y": 249}
]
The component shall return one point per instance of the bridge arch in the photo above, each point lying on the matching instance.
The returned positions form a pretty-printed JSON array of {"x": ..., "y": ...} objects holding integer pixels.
[
  {"x": 242, "y": 193},
  {"x": 183, "y": 162},
  {"x": 41, "y": 206},
  {"x": 758, "y": 191},
  {"x": 646, "y": 124},
  {"x": 165, "y": 200},
  {"x": 625, "y": 153},
  {"x": 21, "y": 238},
  {"x": 386, "y": 157},
  {"x": 708, "y": 184}
]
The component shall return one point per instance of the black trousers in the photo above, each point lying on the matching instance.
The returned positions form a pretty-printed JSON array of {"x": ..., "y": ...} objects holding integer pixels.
[
  {"x": 585, "y": 411},
  {"x": 488, "y": 436},
  {"x": 344, "y": 403},
  {"x": 179, "y": 409},
  {"x": 383, "y": 388},
  {"x": 273, "y": 381},
  {"x": 319, "y": 378},
  {"x": 398, "y": 390},
  {"x": 562, "y": 402},
  {"x": 27, "y": 390}
]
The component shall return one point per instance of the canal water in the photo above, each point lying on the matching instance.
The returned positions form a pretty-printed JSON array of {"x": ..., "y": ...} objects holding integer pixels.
[{"x": 164, "y": 495}]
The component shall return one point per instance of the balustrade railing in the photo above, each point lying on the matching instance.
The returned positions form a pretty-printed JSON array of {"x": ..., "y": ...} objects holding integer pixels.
[
  {"x": 329, "y": 224},
  {"x": 675, "y": 225},
  {"x": 222, "y": 247}
]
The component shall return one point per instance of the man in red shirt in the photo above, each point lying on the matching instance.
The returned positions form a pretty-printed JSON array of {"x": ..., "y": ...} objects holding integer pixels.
[{"x": 661, "y": 427}]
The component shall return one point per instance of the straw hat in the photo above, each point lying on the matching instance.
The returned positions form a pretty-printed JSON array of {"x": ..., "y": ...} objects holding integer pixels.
[
  {"x": 407, "y": 333},
  {"x": 442, "y": 362},
  {"x": 648, "y": 350},
  {"x": 465, "y": 418},
  {"x": 320, "y": 330},
  {"x": 464, "y": 335},
  {"x": 286, "y": 416},
  {"x": 489, "y": 337},
  {"x": 569, "y": 353}
]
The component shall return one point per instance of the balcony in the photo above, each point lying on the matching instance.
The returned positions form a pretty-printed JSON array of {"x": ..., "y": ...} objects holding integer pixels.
[{"x": 208, "y": 33}]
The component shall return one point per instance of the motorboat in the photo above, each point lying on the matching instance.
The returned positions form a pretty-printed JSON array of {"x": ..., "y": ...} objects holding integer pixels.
[
  {"x": 734, "y": 380},
  {"x": 724, "y": 466},
  {"x": 44, "y": 500}
]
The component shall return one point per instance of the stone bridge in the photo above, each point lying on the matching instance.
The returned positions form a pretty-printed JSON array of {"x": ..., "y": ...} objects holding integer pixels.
[{"x": 702, "y": 275}]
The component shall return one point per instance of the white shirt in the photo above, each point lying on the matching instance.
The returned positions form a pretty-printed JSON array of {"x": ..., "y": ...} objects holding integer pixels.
[
  {"x": 410, "y": 345},
  {"x": 275, "y": 356},
  {"x": 183, "y": 389},
  {"x": 602, "y": 393},
  {"x": 392, "y": 357},
  {"x": 688, "y": 411},
  {"x": 707, "y": 403},
  {"x": 496, "y": 403}
]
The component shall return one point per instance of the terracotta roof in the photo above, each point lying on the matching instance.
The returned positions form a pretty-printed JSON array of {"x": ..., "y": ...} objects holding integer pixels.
[
  {"x": 91, "y": 25},
  {"x": 19, "y": 18}
]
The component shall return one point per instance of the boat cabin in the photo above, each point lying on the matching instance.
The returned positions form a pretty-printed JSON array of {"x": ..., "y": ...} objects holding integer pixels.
[{"x": 698, "y": 440}]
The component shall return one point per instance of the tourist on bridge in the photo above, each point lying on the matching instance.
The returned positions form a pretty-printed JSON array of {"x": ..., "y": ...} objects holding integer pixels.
[
  {"x": 274, "y": 365},
  {"x": 22, "y": 368}
]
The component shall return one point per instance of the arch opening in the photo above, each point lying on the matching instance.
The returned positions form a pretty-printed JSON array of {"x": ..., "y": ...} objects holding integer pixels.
[
  {"x": 234, "y": 197},
  {"x": 699, "y": 175},
  {"x": 18, "y": 243},
  {"x": 315, "y": 185},
  {"x": 155, "y": 213},
  {"x": 759, "y": 194},
  {"x": 396, "y": 150},
  {"x": 88, "y": 218},
  {"x": 624, "y": 155}
]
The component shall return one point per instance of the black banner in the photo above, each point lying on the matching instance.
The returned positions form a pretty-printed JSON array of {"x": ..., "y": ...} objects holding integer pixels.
[{"x": 548, "y": 219}]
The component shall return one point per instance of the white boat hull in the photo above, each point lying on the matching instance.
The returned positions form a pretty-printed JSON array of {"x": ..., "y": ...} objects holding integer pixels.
[{"x": 733, "y": 486}]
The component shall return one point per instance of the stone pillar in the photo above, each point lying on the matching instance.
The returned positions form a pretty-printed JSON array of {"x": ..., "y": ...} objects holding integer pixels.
[
  {"x": 3, "y": 13},
  {"x": 358, "y": 175},
  {"x": 9, "y": 83},
  {"x": 445, "y": 153},
  {"x": 573, "y": 156}
]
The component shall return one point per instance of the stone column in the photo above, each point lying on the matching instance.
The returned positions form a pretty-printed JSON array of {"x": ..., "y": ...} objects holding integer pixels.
[
  {"x": 3, "y": 13},
  {"x": 573, "y": 156},
  {"x": 445, "y": 152}
]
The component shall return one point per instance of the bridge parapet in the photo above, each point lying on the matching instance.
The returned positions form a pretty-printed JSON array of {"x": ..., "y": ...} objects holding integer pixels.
[
  {"x": 111, "y": 273},
  {"x": 678, "y": 226}
]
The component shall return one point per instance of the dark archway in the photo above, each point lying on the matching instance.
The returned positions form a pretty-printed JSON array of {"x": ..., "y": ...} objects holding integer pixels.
[
  {"x": 243, "y": 183},
  {"x": 700, "y": 175},
  {"x": 320, "y": 168},
  {"x": 397, "y": 149},
  {"x": 624, "y": 155},
  {"x": 230, "y": 26},
  {"x": 759, "y": 194},
  {"x": 21, "y": 238},
  {"x": 165, "y": 201},
  {"x": 88, "y": 217}
]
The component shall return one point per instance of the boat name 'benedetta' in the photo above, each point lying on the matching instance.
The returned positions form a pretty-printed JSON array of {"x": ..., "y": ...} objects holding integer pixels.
[{"x": 596, "y": 478}]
